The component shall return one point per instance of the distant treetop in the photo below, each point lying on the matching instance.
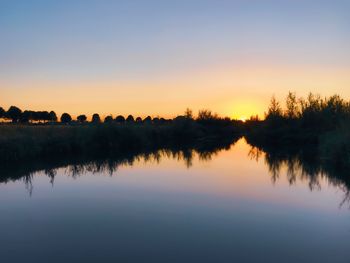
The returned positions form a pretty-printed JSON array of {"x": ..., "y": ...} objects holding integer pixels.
[
  {"x": 66, "y": 118},
  {"x": 82, "y": 118},
  {"x": 96, "y": 118}
]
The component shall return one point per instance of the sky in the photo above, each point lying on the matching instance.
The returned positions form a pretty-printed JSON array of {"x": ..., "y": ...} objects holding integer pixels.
[{"x": 158, "y": 57}]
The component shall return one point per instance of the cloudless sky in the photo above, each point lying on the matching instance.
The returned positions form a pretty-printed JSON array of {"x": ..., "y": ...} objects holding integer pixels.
[{"x": 158, "y": 57}]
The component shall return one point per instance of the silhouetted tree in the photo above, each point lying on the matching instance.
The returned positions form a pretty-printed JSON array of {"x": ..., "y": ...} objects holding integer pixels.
[
  {"x": 26, "y": 116},
  {"x": 156, "y": 120},
  {"x": 66, "y": 118},
  {"x": 108, "y": 119},
  {"x": 14, "y": 113},
  {"x": 2, "y": 113},
  {"x": 189, "y": 114},
  {"x": 254, "y": 118},
  {"x": 206, "y": 116},
  {"x": 274, "y": 110},
  {"x": 120, "y": 119},
  {"x": 96, "y": 118},
  {"x": 130, "y": 118},
  {"x": 138, "y": 120},
  {"x": 44, "y": 116},
  {"x": 52, "y": 116},
  {"x": 292, "y": 111},
  {"x": 34, "y": 116},
  {"x": 82, "y": 118},
  {"x": 148, "y": 119}
]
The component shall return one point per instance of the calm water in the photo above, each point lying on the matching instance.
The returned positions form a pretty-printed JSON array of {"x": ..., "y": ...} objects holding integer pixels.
[{"x": 232, "y": 206}]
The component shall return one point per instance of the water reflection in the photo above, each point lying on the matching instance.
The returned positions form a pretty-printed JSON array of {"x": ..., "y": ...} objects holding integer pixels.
[
  {"x": 302, "y": 166},
  {"x": 80, "y": 166},
  {"x": 296, "y": 166},
  {"x": 219, "y": 209}
]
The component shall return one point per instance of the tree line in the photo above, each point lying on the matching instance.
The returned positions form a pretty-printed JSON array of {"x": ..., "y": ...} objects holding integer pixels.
[
  {"x": 310, "y": 113},
  {"x": 317, "y": 126},
  {"x": 301, "y": 117},
  {"x": 16, "y": 115}
]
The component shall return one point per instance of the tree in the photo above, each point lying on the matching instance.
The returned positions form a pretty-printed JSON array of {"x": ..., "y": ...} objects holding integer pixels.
[
  {"x": 156, "y": 120},
  {"x": 275, "y": 110},
  {"x": 44, "y": 116},
  {"x": 82, "y": 118},
  {"x": 189, "y": 114},
  {"x": 34, "y": 116},
  {"x": 206, "y": 115},
  {"x": 120, "y": 119},
  {"x": 109, "y": 119},
  {"x": 52, "y": 116},
  {"x": 26, "y": 116},
  {"x": 2, "y": 113},
  {"x": 96, "y": 118},
  {"x": 66, "y": 118},
  {"x": 292, "y": 111},
  {"x": 148, "y": 119},
  {"x": 138, "y": 120},
  {"x": 14, "y": 113},
  {"x": 130, "y": 118}
]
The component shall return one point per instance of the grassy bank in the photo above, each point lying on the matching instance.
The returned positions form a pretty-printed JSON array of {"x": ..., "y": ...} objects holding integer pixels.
[{"x": 19, "y": 142}]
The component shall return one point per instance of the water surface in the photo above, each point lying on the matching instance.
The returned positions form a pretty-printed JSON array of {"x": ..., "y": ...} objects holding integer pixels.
[{"x": 234, "y": 205}]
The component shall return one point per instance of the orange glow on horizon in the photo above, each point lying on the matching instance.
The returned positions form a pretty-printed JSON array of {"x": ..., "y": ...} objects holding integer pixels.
[{"x": 236, "y": 92}]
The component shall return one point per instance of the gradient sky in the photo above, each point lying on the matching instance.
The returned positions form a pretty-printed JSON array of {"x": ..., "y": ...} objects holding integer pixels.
[{"x": 157, "y": 57}]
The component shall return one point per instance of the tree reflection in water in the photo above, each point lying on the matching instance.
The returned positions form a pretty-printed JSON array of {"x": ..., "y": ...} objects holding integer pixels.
[
  {"x": 78, "y": 167},
  {"x": 296, "y": 165},
  {"x": 304, "y": 167}
]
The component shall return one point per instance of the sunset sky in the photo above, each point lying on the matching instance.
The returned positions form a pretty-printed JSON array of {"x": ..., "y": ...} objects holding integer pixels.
[{"x": 158, "y": 57}]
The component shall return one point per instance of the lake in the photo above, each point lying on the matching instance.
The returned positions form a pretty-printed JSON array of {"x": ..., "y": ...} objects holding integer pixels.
[{"x": 233, "y": 205}]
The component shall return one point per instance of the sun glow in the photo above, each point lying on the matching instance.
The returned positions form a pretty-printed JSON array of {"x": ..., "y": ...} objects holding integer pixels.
[{"x": 243, "y": 118}]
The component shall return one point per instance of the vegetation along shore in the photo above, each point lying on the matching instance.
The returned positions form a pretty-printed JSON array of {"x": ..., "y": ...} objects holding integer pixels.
[{"x": 315, "y": 126}]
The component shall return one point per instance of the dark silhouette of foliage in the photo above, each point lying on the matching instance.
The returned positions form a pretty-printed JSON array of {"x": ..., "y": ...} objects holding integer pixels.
[
  {"x": 96, "y": 118},
  {"x": 66, "y": 118},
  {"x": 14, "y": 113},
  {"x": 36, "y": 141},
  {"x": 318, "y": 122},
  {"x": 311, "y": 122},
  {"x": 156, "y": 120},
  {"x": 37, "y": 116},
  {"x": 108, "y": 119},
  {"x": 44, "y": 116},
  {"x": 52, "y": 116},
  {"x": 120, "y": 119},
  {"x": 2, "y": 113},
  {"x": 148, "y": 119},
  {"x": 207, "y": 118},
  {"x": 205, "y": 115},
  {"x": 292, "y": 106},
  {"x": 82, "y": 118},
  {"x": 189, "y": 114},
  {"x": 26, "y": 116},
  {"x": 130, "y": 118},
  {"x": 180, "y": 119},
  {"x": 275, "y": 110}
]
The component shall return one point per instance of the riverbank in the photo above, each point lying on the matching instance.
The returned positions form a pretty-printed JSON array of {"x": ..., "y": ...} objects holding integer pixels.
[
  {"x": 318, "y": 125},
  {"x": 28, "y": 142}
]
